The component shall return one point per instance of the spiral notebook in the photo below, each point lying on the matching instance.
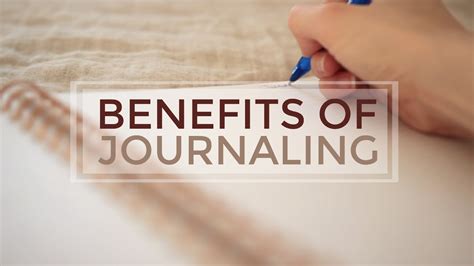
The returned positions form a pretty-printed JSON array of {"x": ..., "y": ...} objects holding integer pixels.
[
  {"x": 47, "y": 219},
  {"x": 200, "y": 226}
]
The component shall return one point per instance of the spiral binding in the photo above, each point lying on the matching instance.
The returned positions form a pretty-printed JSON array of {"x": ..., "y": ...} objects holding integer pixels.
[{"x": 200, "y": 225}]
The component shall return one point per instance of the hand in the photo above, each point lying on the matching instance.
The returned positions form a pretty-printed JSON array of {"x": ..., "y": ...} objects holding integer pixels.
[{"x": 417, "y": 43}]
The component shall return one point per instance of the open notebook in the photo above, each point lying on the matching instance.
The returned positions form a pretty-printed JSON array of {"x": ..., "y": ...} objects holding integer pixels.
[{"x": 425, "y": 218}]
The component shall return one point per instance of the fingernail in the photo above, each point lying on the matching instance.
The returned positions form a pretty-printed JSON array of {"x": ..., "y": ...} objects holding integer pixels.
[
  {"x": 349, "y": 80},
  {"x": 320, "y": 65},
  {"x": 353, "y": 81}
]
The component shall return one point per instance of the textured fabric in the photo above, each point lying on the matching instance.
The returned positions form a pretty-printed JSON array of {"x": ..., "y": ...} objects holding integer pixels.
[{"x": 55, "y": 42}]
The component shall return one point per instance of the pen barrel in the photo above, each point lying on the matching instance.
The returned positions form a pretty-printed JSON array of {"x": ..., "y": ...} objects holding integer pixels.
[{"x": 359, "y": 2}]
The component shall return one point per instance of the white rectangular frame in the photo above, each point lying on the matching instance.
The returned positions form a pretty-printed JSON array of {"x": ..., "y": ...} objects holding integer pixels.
[{"x": 394, "y": 124}]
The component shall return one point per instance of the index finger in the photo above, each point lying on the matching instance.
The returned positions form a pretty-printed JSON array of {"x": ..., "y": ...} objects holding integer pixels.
[
  {"x": 307, "y": 45},
  {"x": 306, "y": 41}
]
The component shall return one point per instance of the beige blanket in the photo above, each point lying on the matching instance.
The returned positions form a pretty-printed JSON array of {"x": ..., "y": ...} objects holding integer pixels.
[{"x": 55, "y": 42}]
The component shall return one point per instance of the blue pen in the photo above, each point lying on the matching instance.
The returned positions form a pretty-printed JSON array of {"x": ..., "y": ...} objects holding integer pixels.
[{"x": 304, "y": 64}]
